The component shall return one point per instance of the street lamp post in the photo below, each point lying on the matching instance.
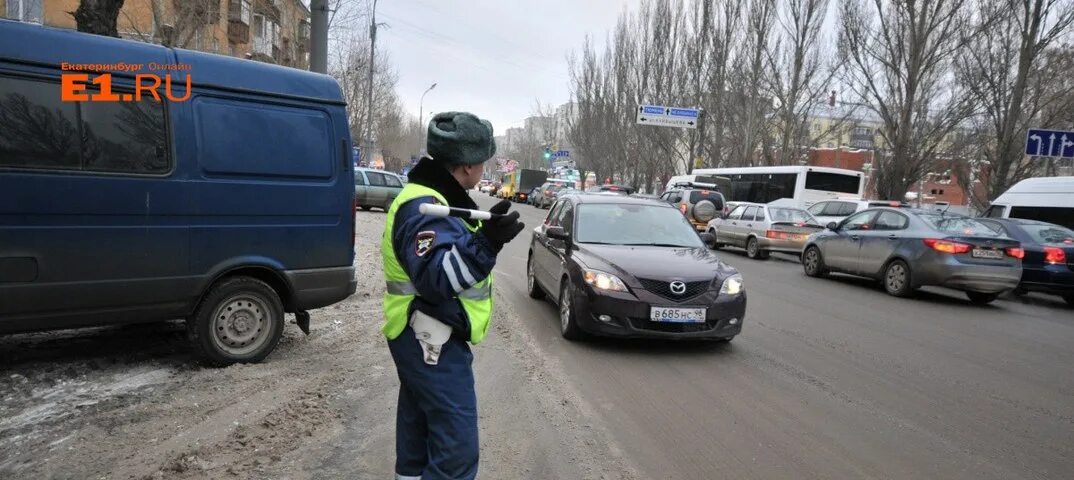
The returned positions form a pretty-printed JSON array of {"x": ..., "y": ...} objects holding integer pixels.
[{"x": 421, "y": 114}]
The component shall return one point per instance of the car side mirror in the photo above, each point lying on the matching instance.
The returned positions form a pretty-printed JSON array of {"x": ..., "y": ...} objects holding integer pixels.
[
  {"x": 557, "y": 233},
  {"x": 833, "y": 226},
  {"x": 709, "y": 239}
]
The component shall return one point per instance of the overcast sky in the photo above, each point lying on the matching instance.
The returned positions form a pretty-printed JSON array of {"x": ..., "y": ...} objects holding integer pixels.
[{"x": 494, "y": 58}]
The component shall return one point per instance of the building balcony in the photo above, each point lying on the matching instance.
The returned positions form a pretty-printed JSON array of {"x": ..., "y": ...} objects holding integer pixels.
[
  {"x": 263, "y": 49},
  {"x": 238, "y": 27}
]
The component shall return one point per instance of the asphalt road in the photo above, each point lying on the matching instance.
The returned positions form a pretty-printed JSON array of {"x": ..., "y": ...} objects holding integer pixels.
[{"x": 831, "y": 378}]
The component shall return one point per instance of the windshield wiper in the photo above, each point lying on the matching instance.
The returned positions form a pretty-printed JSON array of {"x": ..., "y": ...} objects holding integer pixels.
[{"x": 659, "y": 245}]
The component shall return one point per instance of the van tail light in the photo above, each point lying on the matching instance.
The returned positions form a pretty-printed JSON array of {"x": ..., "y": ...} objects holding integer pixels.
[
  {"x": 1016, "y": 252},
  {"x": 1054, "y": 255},
  {"x": 947, "y": 246}
]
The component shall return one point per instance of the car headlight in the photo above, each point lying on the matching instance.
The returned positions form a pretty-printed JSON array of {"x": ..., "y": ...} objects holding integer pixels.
[
  {"x": 604, "y": 281},
  {"x": 733, "y": 285}
]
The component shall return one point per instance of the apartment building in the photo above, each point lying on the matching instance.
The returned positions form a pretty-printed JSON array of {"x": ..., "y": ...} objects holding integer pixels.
[{"x": 275, "y": 31}]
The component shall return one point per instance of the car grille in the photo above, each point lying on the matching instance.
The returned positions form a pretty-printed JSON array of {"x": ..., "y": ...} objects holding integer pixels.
[
  {"x": 663, "y": 288},
  {"x": 646, "y": 324}
]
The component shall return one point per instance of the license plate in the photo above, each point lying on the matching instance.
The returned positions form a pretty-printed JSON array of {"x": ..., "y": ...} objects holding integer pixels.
[
  {"x": 677, "y": 315},
  {"x": 986, "y": 253}
]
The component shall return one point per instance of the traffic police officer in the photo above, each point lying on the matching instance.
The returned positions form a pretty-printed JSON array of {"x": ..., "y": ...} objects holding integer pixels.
[{"x": 439, "y": 297}]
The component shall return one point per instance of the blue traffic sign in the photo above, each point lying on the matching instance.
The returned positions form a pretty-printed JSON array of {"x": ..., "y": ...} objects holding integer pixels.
[
  {"x": 683, "y": 112},
  {"x": 1050, "y": 143},
  {"x": 653, "y": 109}
]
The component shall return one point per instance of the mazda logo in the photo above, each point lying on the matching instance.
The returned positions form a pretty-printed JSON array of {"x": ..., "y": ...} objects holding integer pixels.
[{"x": 677, "y": 287}]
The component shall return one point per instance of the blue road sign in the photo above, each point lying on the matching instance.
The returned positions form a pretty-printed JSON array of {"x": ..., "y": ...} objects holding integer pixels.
[
  {"x": 1050, "y": 143},
  {"x": 653, "y": 110},
  {"x": 683, "y": 112}
]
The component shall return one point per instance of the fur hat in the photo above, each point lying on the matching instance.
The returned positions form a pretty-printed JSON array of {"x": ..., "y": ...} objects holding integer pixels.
[{"x": 460, "y": 138}]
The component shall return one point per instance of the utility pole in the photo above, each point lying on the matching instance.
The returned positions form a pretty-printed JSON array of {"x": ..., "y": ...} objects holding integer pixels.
[
  {"x": 319, "y": 36},
  {"x": 367, "y": 151}
]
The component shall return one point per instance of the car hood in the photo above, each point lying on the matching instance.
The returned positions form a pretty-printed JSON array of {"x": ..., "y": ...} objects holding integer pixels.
[{"x": 664, "y": 263}]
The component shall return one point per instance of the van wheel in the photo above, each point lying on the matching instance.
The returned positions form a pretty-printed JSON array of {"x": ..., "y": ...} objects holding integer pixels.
[
  {"x": 979, "y": 298},
  {"x": 239, "y": 321}
]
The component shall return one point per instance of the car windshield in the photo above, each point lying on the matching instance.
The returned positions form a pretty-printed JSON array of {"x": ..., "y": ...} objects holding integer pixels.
[
  {"x": 961, "y": 225},
  {"x": 1050, "y": 234},
  {"x": 634, "y": 224},
  {"x": 792, "y": 215}
]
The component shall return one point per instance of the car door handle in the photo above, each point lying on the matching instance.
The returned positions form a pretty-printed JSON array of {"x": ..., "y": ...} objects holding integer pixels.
[
  {"x": 854, "y": 237},
  {"x": 892, "y": 237}
]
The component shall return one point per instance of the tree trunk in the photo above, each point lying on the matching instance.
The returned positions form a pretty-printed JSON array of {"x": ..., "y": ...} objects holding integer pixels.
[{"x": 98, "y": 16}]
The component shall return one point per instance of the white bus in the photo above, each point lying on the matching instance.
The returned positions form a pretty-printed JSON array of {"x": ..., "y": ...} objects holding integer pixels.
[
  {"x": 802, "y": 184},
  {"x": 1047, "y": 199}
]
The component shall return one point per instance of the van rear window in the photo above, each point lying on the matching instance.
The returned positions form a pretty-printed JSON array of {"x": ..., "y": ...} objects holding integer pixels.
[{"x": 240, "y": 138}]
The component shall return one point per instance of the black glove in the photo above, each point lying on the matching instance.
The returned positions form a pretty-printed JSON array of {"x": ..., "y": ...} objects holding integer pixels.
[{"x": 501, "y": 230}]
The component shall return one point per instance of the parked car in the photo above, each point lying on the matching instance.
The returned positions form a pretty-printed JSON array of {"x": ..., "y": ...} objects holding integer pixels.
[
  {"x": 1045, "y": 199},
  {"x": 375, "y": 188},
  {"x": 761, "y": 229},
  {"x": 1048, "y": 265},
  {"x": 699, "y": 202},
  {"x": 542, "y": 196},
  {"x": 629, "y": 267},
  {"x": 907, "y": 249},
  {"x": 228, "y": 208},
  {"x": 836, "y": 210},
  {"x": 495, "y": 190},
  {"x": 529, "y": 195}
]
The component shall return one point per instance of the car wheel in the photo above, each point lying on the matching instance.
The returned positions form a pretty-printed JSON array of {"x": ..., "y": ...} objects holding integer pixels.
[
  {"x": 897, "y": 279},
  {"x": 531, "y": 281},
  {"x": 715, "y": 245},
  {"x": 753, "y": 249},
  {"x": 813, "y": 263},
  {"x": 568, "y": 323},
  {"x": 979, "y": 298},
  {"x": 239, "y": 321}
]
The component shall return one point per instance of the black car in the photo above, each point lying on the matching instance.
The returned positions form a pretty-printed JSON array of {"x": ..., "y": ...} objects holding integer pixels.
[
  {"x": 1048, "y": 265},
  {"x": 632, "y": 267}
]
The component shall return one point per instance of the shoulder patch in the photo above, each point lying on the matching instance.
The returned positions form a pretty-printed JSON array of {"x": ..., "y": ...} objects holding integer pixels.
[{"x": 424, "y": 242}]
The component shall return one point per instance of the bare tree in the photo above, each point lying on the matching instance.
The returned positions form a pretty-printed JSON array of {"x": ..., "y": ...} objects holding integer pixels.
[
  {"x": 1011, "y": 72},
  {"x": 98, "y": 16},
  {"x": 899, "y": 55}
]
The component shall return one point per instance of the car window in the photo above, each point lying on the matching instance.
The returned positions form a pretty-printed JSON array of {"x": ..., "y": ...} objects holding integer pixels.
[
  {"x": 566, "y": 219},
  {"x": 634, "y": 224},
  {"x": 359, "y": 179},
  {"x": 1050, "y": 234},
  {"x": 749, "y": 214},
  {"x": 375, "y": 179},
  {"x": 995, "y": 211},
  {"x": 859, "y": 221},
  {"x": 791, "y": 215},
  {"x": 890, "y": 221},
  {"x": 847, "y": 208},
  {"x": 553, "y": 212},
  {"x": 393, "y": 181},
  {"x": 759, "y": 214},
  {"x": 736, "y": 213},
  {"x": 834, "y": 209},
  {"x": 817, "y": 208},
  {"x": 961, "y": 225},
  {"x": 675, "y": 197}
]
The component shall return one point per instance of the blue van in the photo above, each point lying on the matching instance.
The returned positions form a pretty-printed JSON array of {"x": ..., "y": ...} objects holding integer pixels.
[{"x": 226, "y": 208}]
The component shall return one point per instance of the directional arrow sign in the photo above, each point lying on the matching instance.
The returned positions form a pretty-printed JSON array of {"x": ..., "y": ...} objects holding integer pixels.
[
  {"x": 1050, "y": 143},
  {"x": 660, "y": 116}
]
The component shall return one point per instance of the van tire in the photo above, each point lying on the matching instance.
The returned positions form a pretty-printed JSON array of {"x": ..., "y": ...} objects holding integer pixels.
[{"x": 233, "y": 306}]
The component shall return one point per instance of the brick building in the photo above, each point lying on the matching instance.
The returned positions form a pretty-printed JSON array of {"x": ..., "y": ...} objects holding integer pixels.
[{"x": 275, "y": 31}]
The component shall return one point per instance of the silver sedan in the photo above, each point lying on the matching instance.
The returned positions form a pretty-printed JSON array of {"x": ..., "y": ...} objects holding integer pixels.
[
  {"x": 761, "y": 228},
  {"x": 906, "y": 249}
]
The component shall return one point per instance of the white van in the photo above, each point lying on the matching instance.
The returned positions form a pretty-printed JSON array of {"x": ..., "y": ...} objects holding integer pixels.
[{"x": 1046, "y": 199}]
